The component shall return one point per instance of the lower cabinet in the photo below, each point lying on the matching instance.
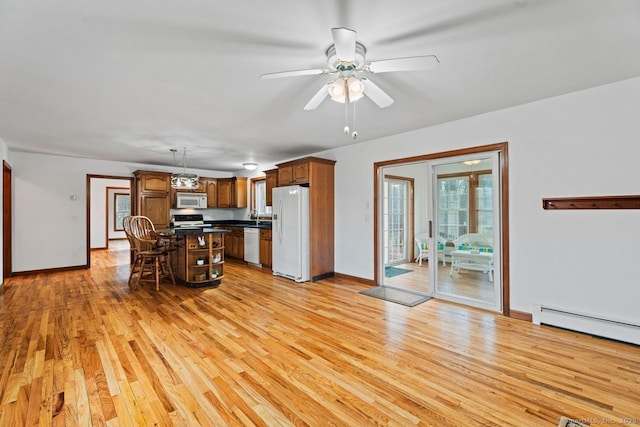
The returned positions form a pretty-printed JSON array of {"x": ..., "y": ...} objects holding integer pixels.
[
  {"x": 199, "y": 259},
  {"x": 266, "y": 256},
  {"x": 234, "y": 242}
]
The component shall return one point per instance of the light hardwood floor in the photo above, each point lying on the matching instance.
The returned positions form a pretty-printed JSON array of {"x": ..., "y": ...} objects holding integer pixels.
[
  {"x": 464, "y": 283},
  {"x": 80, "y": 348}
]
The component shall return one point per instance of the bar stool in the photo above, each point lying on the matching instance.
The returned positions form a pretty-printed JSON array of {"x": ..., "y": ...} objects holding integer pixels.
[{"x": 151, "y": 258}]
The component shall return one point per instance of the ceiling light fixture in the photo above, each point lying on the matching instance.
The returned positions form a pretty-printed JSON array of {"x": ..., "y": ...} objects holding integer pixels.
[
  {"x": 183, "y": 180},
  {"x": 471, "y": 162},
  {"x": 346, "y": 88},
  {"x": 250, "y": 166}
]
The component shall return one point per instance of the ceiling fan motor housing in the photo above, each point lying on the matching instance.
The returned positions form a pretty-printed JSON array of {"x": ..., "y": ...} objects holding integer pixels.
[{"x": 334, "y": 63}]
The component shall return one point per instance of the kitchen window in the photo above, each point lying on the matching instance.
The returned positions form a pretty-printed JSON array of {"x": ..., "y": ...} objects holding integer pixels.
[{"x": 259, "y": 197}]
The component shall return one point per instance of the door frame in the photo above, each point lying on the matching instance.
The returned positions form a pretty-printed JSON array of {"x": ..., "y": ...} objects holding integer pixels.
[
  {"x": 502, "y": 149},
  {"x": 7, "y": 220}
]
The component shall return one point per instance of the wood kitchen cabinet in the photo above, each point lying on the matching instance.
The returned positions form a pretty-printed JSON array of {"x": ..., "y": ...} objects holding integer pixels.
[
  {"x": 271, "y": 182},
  {"x": 153, "y": 196},
  {"x": 212, "y": 192},
  {"x": 318, "y": 174},
  {"x": 265, "y": 248},
  {"x": 232, "y": 192},
  {"x": 199, "y": 259},
  {"x": 294, "y": 174},
  {"x": 234, "y": 242}
]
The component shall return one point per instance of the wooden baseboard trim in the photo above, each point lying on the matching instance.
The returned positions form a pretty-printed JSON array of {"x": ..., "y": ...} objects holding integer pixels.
[
  {"x": 50, "y": 270},
  {"x": 521, "y": 315},
  {"x": 357, "y": 279}
]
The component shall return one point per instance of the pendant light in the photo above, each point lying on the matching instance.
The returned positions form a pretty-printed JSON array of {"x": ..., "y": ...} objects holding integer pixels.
[{"x": 184, "y": 180}]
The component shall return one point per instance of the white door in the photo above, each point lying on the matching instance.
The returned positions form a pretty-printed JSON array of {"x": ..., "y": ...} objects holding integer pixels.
[{"x": 396, "y": 221}]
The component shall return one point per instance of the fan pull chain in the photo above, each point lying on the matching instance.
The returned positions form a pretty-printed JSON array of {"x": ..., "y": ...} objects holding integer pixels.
[
  {"x": 354, "y": 135},
  {"x": 346, "y": 116}
]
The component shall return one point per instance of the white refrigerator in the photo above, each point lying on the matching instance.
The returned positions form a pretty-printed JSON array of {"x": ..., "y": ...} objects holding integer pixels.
[{"x": 290, "y": 232}]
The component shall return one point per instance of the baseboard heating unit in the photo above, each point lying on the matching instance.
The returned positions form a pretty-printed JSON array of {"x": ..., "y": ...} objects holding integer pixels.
[{"x": 587, "y": 323}]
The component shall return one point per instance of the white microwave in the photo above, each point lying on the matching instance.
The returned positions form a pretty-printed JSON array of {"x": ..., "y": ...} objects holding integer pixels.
[{"x": 192, "y": 200}]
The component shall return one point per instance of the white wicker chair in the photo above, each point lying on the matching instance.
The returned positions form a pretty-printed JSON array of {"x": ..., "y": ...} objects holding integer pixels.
[{"x": 422, "y": 248}]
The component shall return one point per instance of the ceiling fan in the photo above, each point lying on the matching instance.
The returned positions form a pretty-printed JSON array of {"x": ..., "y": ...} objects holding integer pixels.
[{"x": 346, "y": 58}]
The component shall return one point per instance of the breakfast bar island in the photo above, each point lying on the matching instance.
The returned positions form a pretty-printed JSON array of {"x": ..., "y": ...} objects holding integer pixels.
[{"x": 198, "y": 259}]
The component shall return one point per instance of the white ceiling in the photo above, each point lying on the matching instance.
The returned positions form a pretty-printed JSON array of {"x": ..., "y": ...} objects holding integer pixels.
[{"x": 128, "y": 80}]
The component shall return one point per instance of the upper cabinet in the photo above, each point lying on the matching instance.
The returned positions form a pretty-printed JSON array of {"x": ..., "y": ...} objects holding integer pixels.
[
  {"x": 232, "y": 192},
  {"x": 155, "y": 182},
  {"x": 271, "y": 182},
  {"x": 293, "y": 173},
  {"x": 212, "y": 192},
  {"x": 152, "y": 196}
]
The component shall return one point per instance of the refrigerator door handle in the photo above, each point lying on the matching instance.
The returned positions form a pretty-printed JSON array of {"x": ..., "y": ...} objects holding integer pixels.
[{"x": 281, "y": 216}]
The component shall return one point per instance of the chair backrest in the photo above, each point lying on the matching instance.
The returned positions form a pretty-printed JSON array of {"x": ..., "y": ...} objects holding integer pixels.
[
  {"x": 474, "y": 239},
  {"x": 143, "y": 233},
  {"x": 422, "y": 239},
  {"x": 126, "y": 223}
]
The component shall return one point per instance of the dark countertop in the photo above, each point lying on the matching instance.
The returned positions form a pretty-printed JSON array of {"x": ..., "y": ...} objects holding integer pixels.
[
  {"x": 185, "y": 231},
  {"x": 264, "y": 224}
]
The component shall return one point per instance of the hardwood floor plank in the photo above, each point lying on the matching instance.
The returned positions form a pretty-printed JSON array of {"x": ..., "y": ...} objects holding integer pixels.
[
  {"x": 262, "y": 350},
  {"x": 82, "y": 398}
]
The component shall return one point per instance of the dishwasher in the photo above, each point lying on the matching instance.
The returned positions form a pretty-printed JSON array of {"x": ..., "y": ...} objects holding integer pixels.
[{"x": 252, "y": 245}]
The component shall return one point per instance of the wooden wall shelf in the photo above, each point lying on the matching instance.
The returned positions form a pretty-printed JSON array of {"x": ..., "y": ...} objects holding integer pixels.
[{"x": 592, "y": 202}]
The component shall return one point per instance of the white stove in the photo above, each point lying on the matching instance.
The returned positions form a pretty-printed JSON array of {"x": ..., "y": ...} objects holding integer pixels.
[{"x": 192, "y": 222}]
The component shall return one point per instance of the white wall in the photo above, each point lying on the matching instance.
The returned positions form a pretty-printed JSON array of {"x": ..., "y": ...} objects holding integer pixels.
[
  {"x": 581, "y": 144},
  {"x": 49, "y": 229}
]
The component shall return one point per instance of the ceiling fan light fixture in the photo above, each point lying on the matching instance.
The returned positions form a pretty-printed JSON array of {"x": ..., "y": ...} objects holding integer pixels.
[
  {"x": 250, "y": 166},
  {"x": 356, "y": 89},
  {"x": 338, "y": 91},
  {"x": 342, "y": 88}
]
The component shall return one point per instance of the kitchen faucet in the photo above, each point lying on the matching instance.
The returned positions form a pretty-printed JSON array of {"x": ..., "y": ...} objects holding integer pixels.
[{"x": 254, "y": 214}]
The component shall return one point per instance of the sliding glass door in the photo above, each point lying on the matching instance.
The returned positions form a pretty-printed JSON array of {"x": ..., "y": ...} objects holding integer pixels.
[
  {"x": 440, "y": 228},
  {"x": 465, "y": 206}
]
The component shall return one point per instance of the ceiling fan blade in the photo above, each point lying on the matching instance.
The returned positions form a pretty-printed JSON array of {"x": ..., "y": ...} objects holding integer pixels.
[
  {"x": 345, "y": 42},
  {"x": 294, "y": 73},
  {"x": 376, "y": 94},
  {"x": 318, "y": 97},
  {"x": 411, "y": 63}
]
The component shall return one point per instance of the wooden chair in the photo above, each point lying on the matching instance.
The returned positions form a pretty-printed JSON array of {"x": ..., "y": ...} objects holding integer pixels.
[{"x": 151, "y": 256}]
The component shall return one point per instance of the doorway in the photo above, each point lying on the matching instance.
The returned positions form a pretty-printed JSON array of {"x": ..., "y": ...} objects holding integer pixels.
[
  {"x": 397, "y": 220},
  {"x": 459, "y": 223},
  {"x": 102, "y": 213}
]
